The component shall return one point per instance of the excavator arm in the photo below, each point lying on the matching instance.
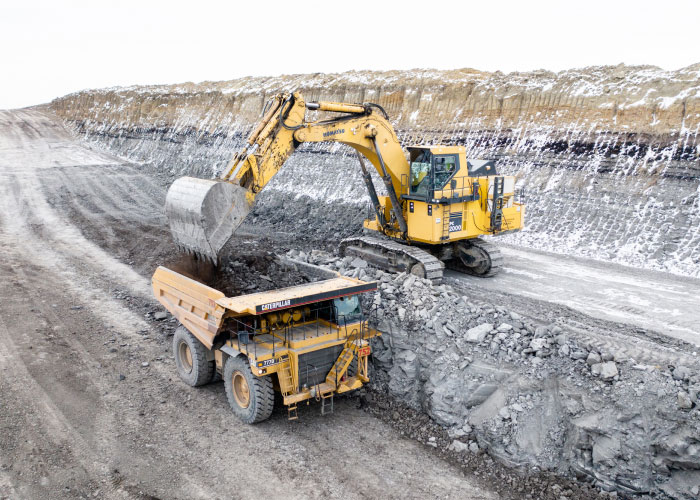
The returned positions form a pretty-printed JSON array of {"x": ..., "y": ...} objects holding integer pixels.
[{"x": 203, "y": 214}]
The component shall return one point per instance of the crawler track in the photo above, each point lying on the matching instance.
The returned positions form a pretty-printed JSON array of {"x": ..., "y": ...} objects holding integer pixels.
[
  {"x": 394, "y": 256},
  {"x": 493, "y": 259}
]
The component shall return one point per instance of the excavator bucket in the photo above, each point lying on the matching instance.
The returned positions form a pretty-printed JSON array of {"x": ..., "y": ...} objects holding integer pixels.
[{"x": 203, "y": 214}]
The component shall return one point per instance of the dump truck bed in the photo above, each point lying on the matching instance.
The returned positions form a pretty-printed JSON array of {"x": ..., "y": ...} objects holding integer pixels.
[
  {"x": 201, "y": 308},
  {"x": 264, "y": 302}
]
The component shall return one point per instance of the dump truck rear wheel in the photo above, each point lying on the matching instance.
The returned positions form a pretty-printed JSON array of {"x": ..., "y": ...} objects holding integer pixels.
[
  {"x": 191, "y": 359},
  {"x": 251, "y": 398}
]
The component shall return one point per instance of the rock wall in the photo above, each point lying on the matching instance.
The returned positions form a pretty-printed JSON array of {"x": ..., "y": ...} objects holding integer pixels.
[{"x": 608, "y": 155}]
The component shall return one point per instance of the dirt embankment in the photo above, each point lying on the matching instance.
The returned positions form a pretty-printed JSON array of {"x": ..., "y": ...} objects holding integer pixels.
[{"x": 636, "y": 100}]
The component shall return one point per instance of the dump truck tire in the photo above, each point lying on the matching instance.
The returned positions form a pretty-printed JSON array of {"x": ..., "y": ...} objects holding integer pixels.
[
  {"x": 191, "y": 359},
  {"x": 251, "y": 398}
]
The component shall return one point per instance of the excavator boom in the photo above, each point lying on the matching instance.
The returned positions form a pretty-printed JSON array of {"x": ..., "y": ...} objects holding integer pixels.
[{"x": 204, "y": 214}]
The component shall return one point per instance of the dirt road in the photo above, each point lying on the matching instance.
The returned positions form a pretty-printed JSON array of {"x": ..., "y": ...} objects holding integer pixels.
[
  {"x": 89, "y": 401},
  {"x": 664, "y": 303}
]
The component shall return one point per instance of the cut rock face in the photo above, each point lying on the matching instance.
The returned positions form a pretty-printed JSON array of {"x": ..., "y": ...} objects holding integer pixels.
[{"x": 620, "y": 144}]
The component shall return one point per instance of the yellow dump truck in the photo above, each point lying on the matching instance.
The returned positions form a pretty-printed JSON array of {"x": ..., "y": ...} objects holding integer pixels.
[{"x": 306, "y": 341}]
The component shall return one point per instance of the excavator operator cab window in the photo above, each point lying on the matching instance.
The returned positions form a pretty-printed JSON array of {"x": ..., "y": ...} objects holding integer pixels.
[
  {"x": 445, "y": 168},
  {"x": 420, "y": 174},
  {"x": 347, "y": 309}
]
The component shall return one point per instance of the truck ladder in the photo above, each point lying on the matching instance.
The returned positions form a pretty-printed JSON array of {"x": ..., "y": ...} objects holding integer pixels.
[
  {"x": 327, "y": 407},
  {"x": 287, "y": 388},
  {"x": 341, "y": 365},
  {"x": 497, "y": 206},
  {"x": 445, "y": 222}
]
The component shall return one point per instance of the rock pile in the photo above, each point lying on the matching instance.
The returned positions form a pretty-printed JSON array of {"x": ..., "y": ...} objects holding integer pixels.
[{"x": 529, "y": 393}]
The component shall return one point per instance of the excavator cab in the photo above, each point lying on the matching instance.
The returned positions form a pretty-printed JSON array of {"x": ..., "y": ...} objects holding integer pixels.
[{"x": 431, "y": 171}]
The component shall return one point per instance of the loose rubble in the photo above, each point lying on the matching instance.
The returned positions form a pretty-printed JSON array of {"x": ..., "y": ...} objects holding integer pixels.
[{"x": 529, "y": 393}]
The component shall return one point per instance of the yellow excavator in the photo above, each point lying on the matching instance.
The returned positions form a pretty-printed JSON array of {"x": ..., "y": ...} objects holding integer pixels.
[{"x": 437, "y": 204}]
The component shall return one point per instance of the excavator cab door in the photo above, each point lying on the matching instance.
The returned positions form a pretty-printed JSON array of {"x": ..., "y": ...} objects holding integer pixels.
[
  {"x": 421, "y": 180},
  {"x": 444, "y": 168}
]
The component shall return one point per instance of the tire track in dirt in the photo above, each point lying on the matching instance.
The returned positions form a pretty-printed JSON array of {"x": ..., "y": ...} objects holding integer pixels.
[
  {"x": 70, "y": 394},
  {"x": 133, "y": 238},
  {"x": 25, "y": 212},
  {"x": 118, "y": 198},
  {"x": 50, "y": 400},
  {"x": 104, "y": 191}
]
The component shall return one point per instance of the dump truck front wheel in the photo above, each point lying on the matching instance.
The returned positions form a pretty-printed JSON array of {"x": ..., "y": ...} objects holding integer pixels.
[
  {"x": 191, "y": 359},
  {"x": 251, "y": 398}
]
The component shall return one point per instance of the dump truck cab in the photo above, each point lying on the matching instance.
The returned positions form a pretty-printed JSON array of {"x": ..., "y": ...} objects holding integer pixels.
[{"x": 306, "y": 341}]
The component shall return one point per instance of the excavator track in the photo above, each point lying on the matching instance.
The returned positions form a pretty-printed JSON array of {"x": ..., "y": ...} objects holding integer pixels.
[
  {"x": 488, "y": 258},
  {"x": 394, "y": 256}
]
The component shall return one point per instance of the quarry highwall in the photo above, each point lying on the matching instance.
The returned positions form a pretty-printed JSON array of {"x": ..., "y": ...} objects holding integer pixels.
[{"x": 608, "y": 155}]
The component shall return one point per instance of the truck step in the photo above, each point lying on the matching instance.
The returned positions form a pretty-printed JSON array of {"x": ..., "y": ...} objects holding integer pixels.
[
  {"x": 327, "y": 406},
  {"x": 292, "y": 413}
]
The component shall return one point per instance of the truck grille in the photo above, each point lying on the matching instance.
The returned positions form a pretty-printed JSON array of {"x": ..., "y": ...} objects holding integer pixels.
[{"x": 314, "y": 366}]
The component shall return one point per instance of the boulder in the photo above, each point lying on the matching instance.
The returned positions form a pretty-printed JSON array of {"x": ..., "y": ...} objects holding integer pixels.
[
  {"x": 459, "y": 446},
  {"x": 359, "y": 263},
  {"x": 538, "y": 344},
  {"x": 605, "y": 449},
  {"x": 681, "y": 373},
  {"x": 606, "y": 371},
  {"x": 684, "y": 401},
  {"x": 478, "y": 333},
  {"x": 593, "y": 359}
]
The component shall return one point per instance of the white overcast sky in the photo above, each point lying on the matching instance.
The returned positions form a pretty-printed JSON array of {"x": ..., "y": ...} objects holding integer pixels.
[{"x": 53, "y": 47}]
